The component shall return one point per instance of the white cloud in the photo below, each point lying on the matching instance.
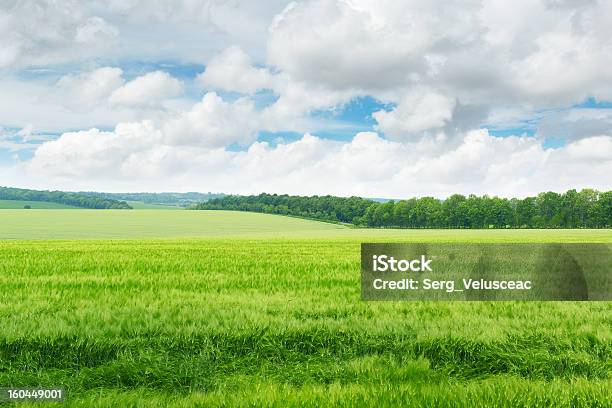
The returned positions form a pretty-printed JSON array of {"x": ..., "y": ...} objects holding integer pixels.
[
  {"x": 232, "y": 70},
  {"x": 596, "y": 149},
  {"x": 93, "y": 152},
  {"x": 148, "y": 90},
  {"x": 417, "y": 112},
  {"x": 298, "y": 99},
  {"x": 100, "y": 97},
  {"x": 576, "y": 64},
  {"x": 489, "y": 53},
  {"x": 139, "y": 155},
  {"x": 358, "y": 44},
  {"x": 87, "y": 90},
  {"x": 48, "y": 32},
  {"x": 45, "y": 32},
  {"x": 446, "y": 67},
  {"x": 214, "y": 123},
  {"x": 80, "y": 102},
  {"x": 95, "y": 29}
]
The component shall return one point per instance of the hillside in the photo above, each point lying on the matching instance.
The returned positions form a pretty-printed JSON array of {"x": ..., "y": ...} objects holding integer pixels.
[
  {"x": 75, "y": 224},
  {"x": 167, "y": 199},
  {"x": 35, "y": 205},
  {"x": 61, "y": 197},
  {"x": 79, "y": 224}
]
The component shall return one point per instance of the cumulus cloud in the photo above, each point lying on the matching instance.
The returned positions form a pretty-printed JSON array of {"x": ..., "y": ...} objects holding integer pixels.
[
  {"x": 232, "y": 70},
  {"x": 42, "y": 32},
  {"x": 91, "y": 152},
  {"x": 102, "y": 95},
  {"x": 357, "y": 44},
  {"x": 148, "y": 90},
  {"x": 368, "y": 165},
  {"x": 73, "y": 31},
  {"x": 86, "y": 90},
  {"x": 298, "y": 99},
  {"x": 416, "y": 113},
  {"x": 477, "y": 53},
  {"x": 596, "y": 149},
  {"x": 214, "y": 123},
  {"x": 443, "y": 70}
]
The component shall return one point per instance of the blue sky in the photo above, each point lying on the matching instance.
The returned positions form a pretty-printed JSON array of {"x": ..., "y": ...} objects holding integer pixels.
[
  {"x": 321, "y": 96},
  {"x": 339, "y": 122}
]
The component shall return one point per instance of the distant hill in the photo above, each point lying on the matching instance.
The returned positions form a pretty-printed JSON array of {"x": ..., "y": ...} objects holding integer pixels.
[
  {"x": 60, "y": 197},
  {"x": 174, "y": 199},
  {"x": 36, "y": 205}
]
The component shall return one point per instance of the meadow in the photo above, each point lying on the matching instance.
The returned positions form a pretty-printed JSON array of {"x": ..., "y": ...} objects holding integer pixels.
[
  {"x": 139, "y": 205},
  {"x": 241, "y": 309},
  {"x": 35, "y": 205}
]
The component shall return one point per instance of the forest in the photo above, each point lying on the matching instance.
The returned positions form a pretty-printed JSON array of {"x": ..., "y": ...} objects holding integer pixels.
[
  {"x": 587, "y": 208},
  {"x": 75, "y": 199},
  {"x": 173, "y": 199}
]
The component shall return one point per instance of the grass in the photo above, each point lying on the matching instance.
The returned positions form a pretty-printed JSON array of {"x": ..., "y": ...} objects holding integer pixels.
[
  {"x": 139, "y": 205},
  {"x": 265, "y": 311},
  {"x": 19, "y": 204},
  {"x": 121, "y": 224},
  {"x": 80, "y": 224}
]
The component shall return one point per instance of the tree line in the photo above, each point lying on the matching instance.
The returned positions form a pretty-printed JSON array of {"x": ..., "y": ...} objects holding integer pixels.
[
  {"x": 587, "y": 208},
  {"x": 175, "y": 199},
  {"x": 74, "y": 199}
]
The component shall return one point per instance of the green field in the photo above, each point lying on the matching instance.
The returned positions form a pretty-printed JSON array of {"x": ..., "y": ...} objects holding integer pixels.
[
  {"x": 139, "y": 205},
  {"x": 121, "y": 224},
  {"x": 225, "y": 308},
  {"x": 80, "y": 224},
  {"x": 19, "y": 204}
]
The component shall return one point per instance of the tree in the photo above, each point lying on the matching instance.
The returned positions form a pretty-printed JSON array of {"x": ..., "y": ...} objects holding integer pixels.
[
  {"x": 526, "y": 211},
  {"x": 453, "y": 211},
  {"x": 75, "y": 199},
  {"x": 587, "y": 208}
]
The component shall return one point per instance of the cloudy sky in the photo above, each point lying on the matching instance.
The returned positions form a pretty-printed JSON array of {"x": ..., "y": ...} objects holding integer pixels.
[{"x": 351, "y": 97}]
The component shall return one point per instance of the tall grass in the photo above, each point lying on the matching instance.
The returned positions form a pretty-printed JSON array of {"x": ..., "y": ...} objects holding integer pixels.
[{"x": 277, "y": 322}]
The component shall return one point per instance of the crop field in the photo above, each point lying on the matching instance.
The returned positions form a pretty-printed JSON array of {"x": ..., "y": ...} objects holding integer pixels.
[
  {"x": 240, "y": 309},
  {"x": 117, "y": 224},
  {"x": 139, "y": 205},
  {"x": 121, "y": 224}
]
